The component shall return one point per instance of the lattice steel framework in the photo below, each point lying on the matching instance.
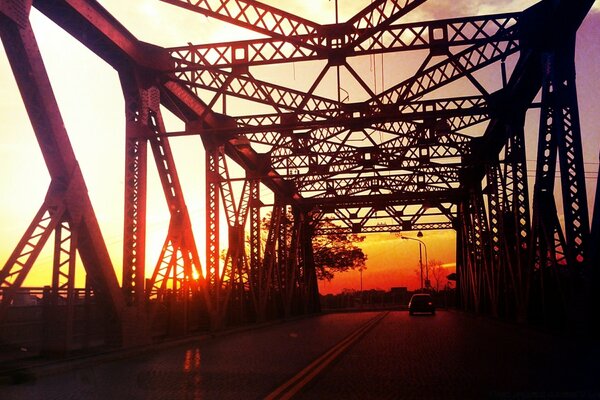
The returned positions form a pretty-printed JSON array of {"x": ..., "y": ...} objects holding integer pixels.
[{"x": 443, "y": 148}]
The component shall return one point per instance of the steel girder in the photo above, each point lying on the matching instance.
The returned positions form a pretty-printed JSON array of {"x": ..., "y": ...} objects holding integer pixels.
[
  {"x": 456, "y": 66},
  {"x": 562, "y": 258},
  {"x": 494, "y": 237},
  {"x": 137, "y": 63},
  {"x": 67, "y": 210},
  {"x": 546, "y": 265},
  {"x": 282, "y": 25},
  {"x": 407, "y": 152},
  {"x": 431, "y": 35},
  {"x": 136, "y": 165},
  {"x": 178, "y": 267},
  {"x": 309, "y": 135},
  {"x": 560, "y": 121}
]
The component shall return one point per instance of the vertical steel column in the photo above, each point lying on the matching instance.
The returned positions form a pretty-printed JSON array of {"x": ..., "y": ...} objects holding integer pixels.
[
  {"x": 284, "y": 239},
  {"x": 256, "y": 274},
  {"x": 505, "y": 262},
  {"x": 516, "y": 221},
  {"x": 497, "y": 236},
  {"x": 255, "y": 228},
  {"x": 562, "y": 273},
  {"x": 547, "y": 237},
  {"x": 565, "y": 120},
  {"x": 179, "y": 261},
  {"x": 265, "y": 272},
  {"x": 478, "y": 237},
  {"x": 60, "y": 310},
  {"x": 311, "y": 301},
  {"x": 461, "y": 294},
  {"x": 475, "y": 232},
  {"x": 548, "y": 242},
  {"x": 235, "y": 274},
  {"x": 136, "y": 165},
  {"x": 560, "y": 131},
  {"x": 213, "y": 272},
  {"x": 292, "y": 273}
]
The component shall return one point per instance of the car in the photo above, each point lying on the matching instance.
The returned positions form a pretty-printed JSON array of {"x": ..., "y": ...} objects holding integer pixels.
[{"x": 421, "y": 303}]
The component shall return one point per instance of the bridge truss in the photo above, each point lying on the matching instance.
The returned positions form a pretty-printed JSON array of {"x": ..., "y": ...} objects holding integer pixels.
[{"x": 440, "y": 148}]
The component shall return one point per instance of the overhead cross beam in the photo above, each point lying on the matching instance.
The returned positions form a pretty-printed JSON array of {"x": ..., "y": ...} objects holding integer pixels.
[
  {"x": 287, "y": 27},
  {"x": 464, "y": 63},
  {"x": 306, "y": 121},
  {"x": 257, "y": 17},
  {"x": 437, "y": 36}
]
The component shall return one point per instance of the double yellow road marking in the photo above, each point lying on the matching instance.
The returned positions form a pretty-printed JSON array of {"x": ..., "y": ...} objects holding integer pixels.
[{"x": 294, "y": 385}]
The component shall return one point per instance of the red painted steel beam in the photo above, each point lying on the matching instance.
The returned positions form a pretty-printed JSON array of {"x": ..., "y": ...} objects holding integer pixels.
[
  {"x": 352, "y": 116},
  {"x": 425, "y": 226},
  {"x": 91, "y": 24},
  {"x": 392, "y": 199},
  {"x": 395, "y": 182},
  {"x": 40, "y": 103},
  {"x": 97, "y": 29},
  {"x": 258, "y": 17},
  {"x": 279, "y": 24},
  {"x": 430, "y": 35},
  {"x": 449, "y": 70},
  {"x": 542, "y": 26},
  {"x": 248, "y": 88},
  {"x": 376, "y": 17},
  {"x": 454, "y": 67},
  {"x": 237, "y": 148},
  {"x": 88, "y": 22}
]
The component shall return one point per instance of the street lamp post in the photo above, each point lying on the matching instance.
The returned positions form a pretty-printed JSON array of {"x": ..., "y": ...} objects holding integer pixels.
[
  {"x": 361, "y": 289},
  {"x": 421, "y": 258},
  {"x": 427, "y": 281}
]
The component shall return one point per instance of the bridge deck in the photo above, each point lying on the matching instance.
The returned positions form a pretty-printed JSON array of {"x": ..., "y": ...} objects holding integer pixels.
[{"x": 449, "y": 355}]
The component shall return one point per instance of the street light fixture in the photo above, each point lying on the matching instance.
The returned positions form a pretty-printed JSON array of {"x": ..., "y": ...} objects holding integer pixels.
[{"x": 420, "y": 234}]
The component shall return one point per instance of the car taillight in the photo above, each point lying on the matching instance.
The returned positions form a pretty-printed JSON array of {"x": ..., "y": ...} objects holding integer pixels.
[{"x": 430, "y": 304}]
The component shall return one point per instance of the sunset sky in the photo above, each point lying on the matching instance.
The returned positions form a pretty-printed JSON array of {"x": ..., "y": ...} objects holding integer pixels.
[{"x": 91, "y": 102}]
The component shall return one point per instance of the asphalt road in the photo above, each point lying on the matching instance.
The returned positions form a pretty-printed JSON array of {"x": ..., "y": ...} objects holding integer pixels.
[
  {"x": 446, "y": 356},
  {"x": 456, "y": 356}
]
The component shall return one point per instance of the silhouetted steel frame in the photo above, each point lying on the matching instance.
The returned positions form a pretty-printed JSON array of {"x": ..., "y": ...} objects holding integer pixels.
[
  {"x": 67, "y": 202},
  {"x": 478, "y": 269},
  {"x": 462, "y": 57},
  {"x": 550, "y": 37},
  {"x": 404, "y": 37}
]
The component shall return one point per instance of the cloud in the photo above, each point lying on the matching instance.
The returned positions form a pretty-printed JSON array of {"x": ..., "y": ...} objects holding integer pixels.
[{"x": 441, "y": 9}]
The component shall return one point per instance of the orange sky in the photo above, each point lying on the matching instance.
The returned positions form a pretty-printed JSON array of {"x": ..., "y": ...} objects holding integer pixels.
[
  {"x": 392, "y": 261},
  {"x": 91, "y": 104}
]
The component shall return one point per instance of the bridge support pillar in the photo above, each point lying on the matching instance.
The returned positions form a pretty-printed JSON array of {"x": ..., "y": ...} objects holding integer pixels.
[
  {"x": 67, "y": 206},
  {"x": 562, "y": 270}
]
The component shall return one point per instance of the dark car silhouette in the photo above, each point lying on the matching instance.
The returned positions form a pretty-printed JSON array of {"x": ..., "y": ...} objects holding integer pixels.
[{"x": 421, "y": 303}]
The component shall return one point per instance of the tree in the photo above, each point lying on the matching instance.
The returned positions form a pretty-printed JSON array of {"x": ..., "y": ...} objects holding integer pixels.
[
  {"x": 337, "y": 252},
  {"x": 438, "y": 274},
  {"x": 332, "y": 253}
]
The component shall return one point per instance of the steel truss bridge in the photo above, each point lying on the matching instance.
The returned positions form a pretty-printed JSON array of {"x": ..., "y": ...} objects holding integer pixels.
[{"x": 443, "y": 148}]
